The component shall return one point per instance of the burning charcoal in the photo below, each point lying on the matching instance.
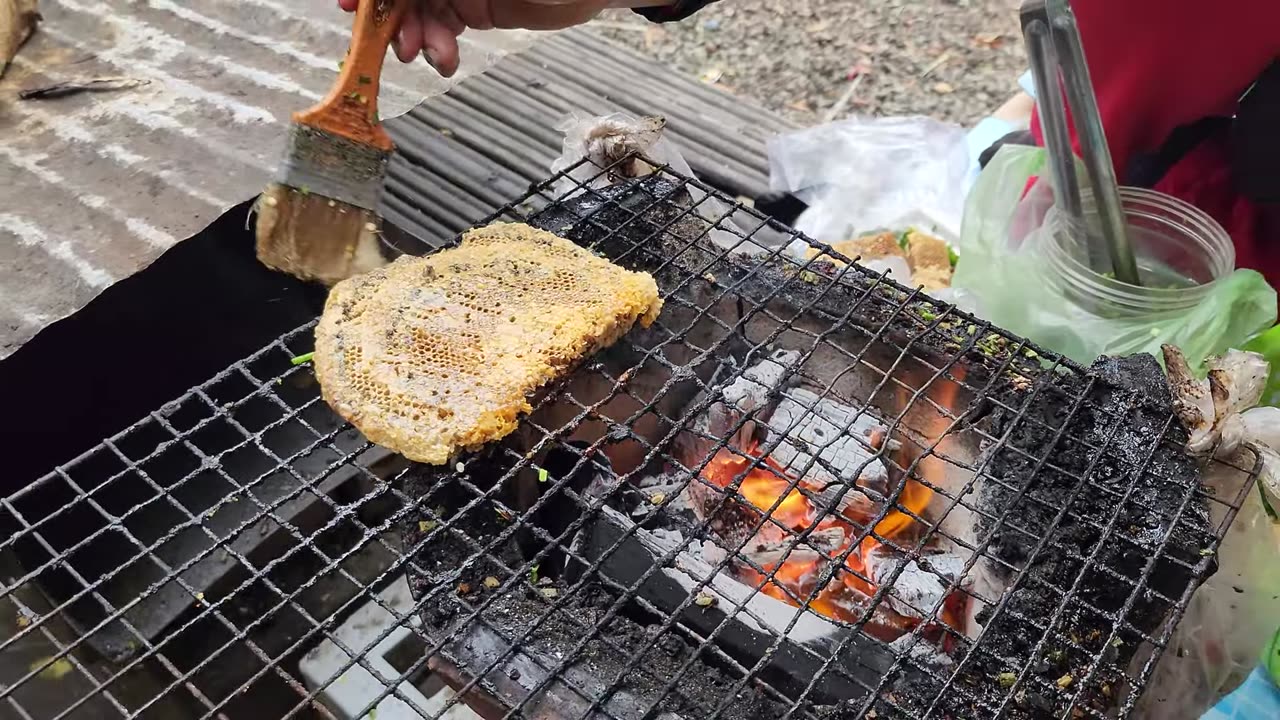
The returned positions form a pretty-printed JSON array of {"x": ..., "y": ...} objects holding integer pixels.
[
  {"x": 820, "y": 544},
  {"x": 917, "y": 591},
  {"x": 827, "y": 442},
  {"x": 752, "y": 391}
]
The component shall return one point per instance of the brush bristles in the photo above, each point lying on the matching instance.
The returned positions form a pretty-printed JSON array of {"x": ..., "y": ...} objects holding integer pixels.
[{"x": 315, "y": 238}]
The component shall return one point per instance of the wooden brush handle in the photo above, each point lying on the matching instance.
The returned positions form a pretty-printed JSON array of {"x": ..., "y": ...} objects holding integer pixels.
[{"x": 351, "y": 107}]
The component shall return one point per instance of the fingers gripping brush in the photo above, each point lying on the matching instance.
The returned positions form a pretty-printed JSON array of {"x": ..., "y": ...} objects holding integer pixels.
[{"x": 318, "y": 221}]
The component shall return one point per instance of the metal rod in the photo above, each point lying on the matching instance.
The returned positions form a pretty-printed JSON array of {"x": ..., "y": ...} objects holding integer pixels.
[
  {"x": 1058, "y": 64},
  {"x": 1093, "y": 145},
  {"x": 1057, "y": 139}
]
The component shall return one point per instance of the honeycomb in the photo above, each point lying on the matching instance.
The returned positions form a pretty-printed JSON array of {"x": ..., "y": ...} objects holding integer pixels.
[{"x": 428, "y": 356}]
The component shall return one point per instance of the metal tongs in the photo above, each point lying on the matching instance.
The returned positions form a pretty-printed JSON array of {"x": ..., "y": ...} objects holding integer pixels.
[{"x": 1057, "y": 60}]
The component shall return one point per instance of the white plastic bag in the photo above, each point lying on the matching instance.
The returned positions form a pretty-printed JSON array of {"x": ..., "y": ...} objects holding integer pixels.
[
  {"x": 608, "y": 141},
  {"x": 861, "y": 174}
]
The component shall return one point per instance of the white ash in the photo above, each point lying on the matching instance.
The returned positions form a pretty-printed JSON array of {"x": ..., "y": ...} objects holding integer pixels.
[
  {"x": 709, "y": 551},
  {"x": 920, "y": 652},
  {"x": 841, "y": 437},
  {"x": 752, "y": 389},
  {"x": 662, "y": 479},
  {"x": 821, "y": 544},
  {"x": 824, "y": 442},
  {"x": 916, "y": 592},
  {"x": 674, "y": 538},
  {"x": 948, "y": 564}
]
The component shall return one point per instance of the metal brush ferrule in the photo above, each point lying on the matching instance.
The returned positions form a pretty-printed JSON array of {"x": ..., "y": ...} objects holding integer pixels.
[{"x": 333, "y": 166}]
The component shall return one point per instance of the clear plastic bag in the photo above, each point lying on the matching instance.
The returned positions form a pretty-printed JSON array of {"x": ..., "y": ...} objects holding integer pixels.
[
  {"x": 1008, "y": 266},
  {"x": 865, "y": 173},
  {"x": 1228, "y": 622}
]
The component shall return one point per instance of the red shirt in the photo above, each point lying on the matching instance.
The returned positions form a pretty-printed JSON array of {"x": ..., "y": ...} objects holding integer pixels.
[{"x": 1160, "y": 64}]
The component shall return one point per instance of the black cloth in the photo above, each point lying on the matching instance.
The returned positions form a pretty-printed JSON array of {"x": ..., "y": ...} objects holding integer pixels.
[
  {"x": 672, "y": 13},
  {"x": 1017, "y": 137},
  {"x": 1255, "y": 140},
  {"x": 1146, "y": 169}
]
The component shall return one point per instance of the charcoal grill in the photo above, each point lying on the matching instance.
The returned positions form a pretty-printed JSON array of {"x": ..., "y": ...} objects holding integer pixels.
[{"x": 195, "y": 562}]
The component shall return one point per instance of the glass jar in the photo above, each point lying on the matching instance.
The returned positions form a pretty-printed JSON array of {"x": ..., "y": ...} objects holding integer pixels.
[{"x": 1181, "y": 254}]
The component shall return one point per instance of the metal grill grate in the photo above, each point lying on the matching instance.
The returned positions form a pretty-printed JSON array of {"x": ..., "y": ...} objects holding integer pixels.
[{"x": 241, "y": 552}]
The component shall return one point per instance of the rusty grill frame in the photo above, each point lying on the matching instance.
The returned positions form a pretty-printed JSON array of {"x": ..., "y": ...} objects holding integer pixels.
[{"x": 72, "y": 611}]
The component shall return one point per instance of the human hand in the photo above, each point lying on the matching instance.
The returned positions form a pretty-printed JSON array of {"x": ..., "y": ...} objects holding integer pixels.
[{"x": 432, "y": 27}]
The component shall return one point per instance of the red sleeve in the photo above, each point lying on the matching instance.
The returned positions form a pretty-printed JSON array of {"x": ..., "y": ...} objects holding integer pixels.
[{"x": 1159, "y": 64}]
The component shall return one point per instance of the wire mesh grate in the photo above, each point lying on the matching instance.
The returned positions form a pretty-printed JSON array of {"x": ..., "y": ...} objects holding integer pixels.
[{"x": 804, "y": 492}]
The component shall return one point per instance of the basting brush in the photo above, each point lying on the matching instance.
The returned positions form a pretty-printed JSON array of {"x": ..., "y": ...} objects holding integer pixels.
[{"x": 318, "y": 221}]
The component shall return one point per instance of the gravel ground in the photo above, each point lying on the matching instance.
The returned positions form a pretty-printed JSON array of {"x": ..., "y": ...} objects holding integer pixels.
[{"x": 953, "y": 59}]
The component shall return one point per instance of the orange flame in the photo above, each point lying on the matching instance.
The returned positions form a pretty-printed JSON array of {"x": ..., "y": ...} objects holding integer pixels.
[{"x": 846, "y": 597}]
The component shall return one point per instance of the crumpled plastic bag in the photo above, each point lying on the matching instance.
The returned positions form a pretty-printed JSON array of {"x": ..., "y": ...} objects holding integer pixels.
[
  {"x": 865, "y": 173},
  {"x": 1003, "y": 268},
  {"x": 619, "y": 147},
  {"x": 1236, "y": 611},
  {"x": 607, "y": 142},
  {"x": 1228, "y": 621}
]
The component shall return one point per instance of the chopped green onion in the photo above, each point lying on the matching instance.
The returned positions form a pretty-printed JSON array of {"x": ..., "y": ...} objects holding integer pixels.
[
  {"x": 301, "y": 359},
  {"x": 543, "y": 475}
]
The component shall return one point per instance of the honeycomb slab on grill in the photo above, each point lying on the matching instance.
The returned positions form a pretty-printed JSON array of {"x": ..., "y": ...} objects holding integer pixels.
[{"x": 432, "y": 355}]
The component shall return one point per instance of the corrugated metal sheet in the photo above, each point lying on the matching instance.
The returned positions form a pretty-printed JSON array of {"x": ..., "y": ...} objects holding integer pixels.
[{"x": 96, "y": 186}]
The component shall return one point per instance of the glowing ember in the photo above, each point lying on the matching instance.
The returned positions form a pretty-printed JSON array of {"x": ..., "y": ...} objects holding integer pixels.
[
  {"x": 769, "y": 488},
  {"x": 847, "y": 596}
]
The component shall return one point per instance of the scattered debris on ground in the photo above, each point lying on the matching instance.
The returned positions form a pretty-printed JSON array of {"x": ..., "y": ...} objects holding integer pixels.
[
  {"x": 954, "y": 60},
  {"x": 75, "y": 87}
]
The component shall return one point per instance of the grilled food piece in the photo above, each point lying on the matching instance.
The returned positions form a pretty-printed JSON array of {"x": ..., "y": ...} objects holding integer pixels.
[
  {"x": 927, "y": 256},
  {"x": 432, "y": 355}
]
